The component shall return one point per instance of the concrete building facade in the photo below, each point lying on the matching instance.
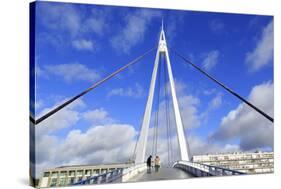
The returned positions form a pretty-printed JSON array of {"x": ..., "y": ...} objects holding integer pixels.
[
  {"x": 68, "y": 175},
  {"x": 250, "y": 163}
]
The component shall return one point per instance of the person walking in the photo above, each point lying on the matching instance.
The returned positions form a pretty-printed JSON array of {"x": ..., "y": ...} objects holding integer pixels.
[
  {"x": 148, "y": 164},
  {"x": 157, "y": 163}
]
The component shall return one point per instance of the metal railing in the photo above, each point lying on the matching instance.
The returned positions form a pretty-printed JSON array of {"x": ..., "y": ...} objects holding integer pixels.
[
  {"x": 102, "y": 178},
  {"x": 112, "y": 176},
  {"x": 199, "y": 169}
]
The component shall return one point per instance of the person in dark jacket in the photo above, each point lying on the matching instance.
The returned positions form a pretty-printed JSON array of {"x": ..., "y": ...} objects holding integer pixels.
[{"x": 148, "y": 164}]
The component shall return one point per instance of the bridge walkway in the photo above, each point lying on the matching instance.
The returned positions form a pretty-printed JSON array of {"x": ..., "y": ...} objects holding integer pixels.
[{"x": 164, "y": 173}]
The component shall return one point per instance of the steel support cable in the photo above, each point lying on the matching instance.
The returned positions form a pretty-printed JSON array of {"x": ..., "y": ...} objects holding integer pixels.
[
  {"x": 169, "y": 120},
  {"x": 135, "y": 147},
  {"x": 167, "y": 115},
  {"x": 153, "y": 139},
  {"x": 155, "y": 133},
  {"x": 98, "y": 83},
  {"x": 225, "y": 87},
  {"x": 158, "y": 104},
  {"x": 170, "y": 130}
]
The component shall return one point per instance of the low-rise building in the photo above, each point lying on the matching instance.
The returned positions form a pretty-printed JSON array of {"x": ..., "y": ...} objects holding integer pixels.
[
  {"x": 250, "y": 163},
  {"x": 68, "y": 175}
]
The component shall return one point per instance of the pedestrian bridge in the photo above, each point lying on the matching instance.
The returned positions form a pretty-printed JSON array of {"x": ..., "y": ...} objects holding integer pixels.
[
  {"x": 139, "y": 172},
  {"x": 180, "y": 169},
  {"x": 164, "y": 173}
]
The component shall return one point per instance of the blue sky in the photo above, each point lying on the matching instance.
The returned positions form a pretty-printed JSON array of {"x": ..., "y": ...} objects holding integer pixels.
[{"x": 76, "y": 45}]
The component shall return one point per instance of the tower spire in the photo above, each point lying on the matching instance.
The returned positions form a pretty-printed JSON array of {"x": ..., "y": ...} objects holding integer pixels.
[{"x": 162, "y": 28}]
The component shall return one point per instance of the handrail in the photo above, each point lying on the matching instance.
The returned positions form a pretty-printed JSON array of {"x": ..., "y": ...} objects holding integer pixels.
[
  {"x": 102, "y": 178},
  {"x": 109, "y": 176},
  {"x": 210, "y": 169}
]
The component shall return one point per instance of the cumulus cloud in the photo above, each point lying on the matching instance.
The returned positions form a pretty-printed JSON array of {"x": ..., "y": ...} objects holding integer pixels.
[
  {"x": 249, "y": 127},
  {"x": 98, "y": 116},
  {"x": 136, "y": 92},
  {"x": 67, "y": 23},
  {"x": 213, "y": 104},
  {"x": 211, "y": 59},
  {"x": 216, "y": 101},
  {"x": 83, "y": 44},
  {"x": 96, "y": 145},
  {"x": 188, "y": 105},
  {"x": 263, "y": 53},
  {"x": 197, "y": 146},
  {"x": 63, "y": 17},
  {"x": 73, "y": 72},
  {"x": 98, "y": 22},
  {"x": 66, "y": 117},
  {"x": 136, "y": 25}
]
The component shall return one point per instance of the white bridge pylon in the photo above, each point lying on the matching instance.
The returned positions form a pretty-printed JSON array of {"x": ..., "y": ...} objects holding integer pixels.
[{"x": 142, "y": 141}]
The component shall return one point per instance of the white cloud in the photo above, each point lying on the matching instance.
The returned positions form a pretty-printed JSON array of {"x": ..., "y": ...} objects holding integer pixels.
[
  {"x": 216, "y": 101},
  {"x": 208, "y": 92},
  {"x": 263, "y": 53},
  {"x": 217, "y": 26},
  {"x": 73, "y": 72},
  {"x": 63, "y": 17},
  {"x": 197, "y": 146},
  {"x": 98, "y": 21},
  {"x": 66, "y": 117},
  {"x": 100, "y": 144},
  {"x": 249, "y": 127},
  {"x": 68, "y": 24},
  {"x": 136, "y": 25},
  {"x": 173, "y": 27},
  {"x": 99, "y": 139},
  {"x": 83, "y": 44},
  {"x": 97, "y": 145},
  {"x": 213, "y": 105},
  {"x": 188, "y": 105},
  {"x": 136, "y": 92},
  {"x": 189, "y": 111},
  {"x": 211, "y": 59},
  {"x": 98, "y": 116}
]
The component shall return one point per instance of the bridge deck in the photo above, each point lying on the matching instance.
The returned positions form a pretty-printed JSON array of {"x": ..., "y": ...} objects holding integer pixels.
[{"x": 164, "y": 173}]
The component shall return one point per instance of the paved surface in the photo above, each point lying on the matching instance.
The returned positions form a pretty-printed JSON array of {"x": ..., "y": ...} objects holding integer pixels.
[{"x": 163, "y": 174}]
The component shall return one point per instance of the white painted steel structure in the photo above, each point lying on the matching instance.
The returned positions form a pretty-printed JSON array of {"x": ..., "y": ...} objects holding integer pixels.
[{"x": 142, "y": 141}]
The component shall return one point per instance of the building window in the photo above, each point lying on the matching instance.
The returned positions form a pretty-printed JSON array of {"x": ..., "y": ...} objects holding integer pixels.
[
  {"x": 71, "y": 180},
  {"x": 53, "y": 182},
  {"x": 63, "y": 174},
  {"x": 62, "y": 181},
  {"x": 88, "y": 172},
  {"x": 80, "y": 173},
  {"x": 71, "y": 173},
  {"x": 46, "y": 174},
  {"x": 54, "y": 174}
]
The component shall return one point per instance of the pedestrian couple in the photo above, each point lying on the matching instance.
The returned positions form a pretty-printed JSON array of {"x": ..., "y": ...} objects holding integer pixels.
[{"x": 156, "y": 163}]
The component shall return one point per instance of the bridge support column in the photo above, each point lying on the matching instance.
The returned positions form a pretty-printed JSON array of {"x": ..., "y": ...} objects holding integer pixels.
[{"x": 142, "y": 141}]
